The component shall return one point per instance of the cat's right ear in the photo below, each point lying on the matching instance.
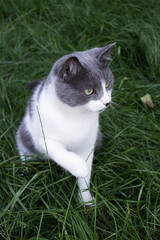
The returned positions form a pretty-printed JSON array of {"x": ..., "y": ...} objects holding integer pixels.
[{"x": 70, "y": 68}]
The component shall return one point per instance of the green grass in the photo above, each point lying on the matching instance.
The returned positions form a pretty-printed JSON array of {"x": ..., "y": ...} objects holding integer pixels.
[{"x": 39, "y": 200}]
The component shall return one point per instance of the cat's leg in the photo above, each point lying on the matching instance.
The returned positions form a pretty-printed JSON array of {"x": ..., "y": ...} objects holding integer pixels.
[
  {"x": 84, "y": 183},
  {"x": 66, "y": 159}
]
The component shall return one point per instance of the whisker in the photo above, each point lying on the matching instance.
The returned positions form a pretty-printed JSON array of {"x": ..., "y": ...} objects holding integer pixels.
[
  {"x": 115, "y": 103},
  {"x": 113, "y": 106},
  {"x": 113, "y": 97}
]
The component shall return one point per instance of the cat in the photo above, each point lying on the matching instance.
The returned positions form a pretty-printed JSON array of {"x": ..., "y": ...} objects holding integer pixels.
[{"x": 62, "y": 116}]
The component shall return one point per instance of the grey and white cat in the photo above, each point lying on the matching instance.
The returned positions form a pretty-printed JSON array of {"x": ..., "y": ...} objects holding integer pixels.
[{"x": 62, "y": 116}]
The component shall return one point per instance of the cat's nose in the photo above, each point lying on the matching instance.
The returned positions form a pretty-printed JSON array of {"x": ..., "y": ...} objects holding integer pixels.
[{"x": 107, "y": 104}]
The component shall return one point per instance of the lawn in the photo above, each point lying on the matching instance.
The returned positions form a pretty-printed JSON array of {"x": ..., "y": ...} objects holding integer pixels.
[{"x": 38, "y": 200}]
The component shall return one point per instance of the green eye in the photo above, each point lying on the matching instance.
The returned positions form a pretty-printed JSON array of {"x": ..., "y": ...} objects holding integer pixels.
[
  {"x": 107, "y": 84},
  {"x": 88, "y": 91}
]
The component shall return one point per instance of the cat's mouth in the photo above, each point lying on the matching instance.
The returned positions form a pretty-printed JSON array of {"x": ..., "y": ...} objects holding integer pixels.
[{"x": 105, "y": 107}]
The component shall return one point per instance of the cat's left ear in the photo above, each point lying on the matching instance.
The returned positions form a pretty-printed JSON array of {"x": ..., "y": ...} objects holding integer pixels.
[
  {"x": 71, "y": 68},
  {"x": 104, "y": 54}
]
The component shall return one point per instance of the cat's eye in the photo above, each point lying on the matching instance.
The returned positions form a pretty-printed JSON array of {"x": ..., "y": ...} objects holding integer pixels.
[
  {"x": 107, "y": 84},
  {"x": 88, "y": 91}
]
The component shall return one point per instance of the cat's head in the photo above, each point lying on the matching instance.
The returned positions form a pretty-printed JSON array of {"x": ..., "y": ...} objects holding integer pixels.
[{"x": 85, "y": 79}]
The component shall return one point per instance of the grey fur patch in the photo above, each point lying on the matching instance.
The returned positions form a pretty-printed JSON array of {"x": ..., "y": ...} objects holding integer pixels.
[
  {"x": 30, "y": 106},
  {"x": 32, "y": 85},
  {"x": 26, "y": 139}
]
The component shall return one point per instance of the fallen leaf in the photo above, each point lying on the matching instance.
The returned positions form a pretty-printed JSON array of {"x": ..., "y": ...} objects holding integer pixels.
[
  {"x": 147, "y": 100},
  {"x": 126, "y": 78}
]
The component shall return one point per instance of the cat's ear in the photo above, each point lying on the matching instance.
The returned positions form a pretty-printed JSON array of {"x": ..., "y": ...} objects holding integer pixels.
[
  {"x": 70, "y": 68},
  {"x": 104, "y": 54}
]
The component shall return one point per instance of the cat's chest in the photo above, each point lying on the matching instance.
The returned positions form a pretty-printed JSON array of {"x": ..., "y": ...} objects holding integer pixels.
[{"x": 72, "y": 129}]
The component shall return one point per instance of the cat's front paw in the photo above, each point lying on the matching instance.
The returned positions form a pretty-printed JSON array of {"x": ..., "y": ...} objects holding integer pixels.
[
  {"x": 86, "y": 198},
  {"x": 79, "y": 169}
]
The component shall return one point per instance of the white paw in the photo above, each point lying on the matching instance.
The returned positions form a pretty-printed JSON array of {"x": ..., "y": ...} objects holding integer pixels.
[
  {"x": 86, "y": 198},
  {"x": 79, "y": 168}
]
